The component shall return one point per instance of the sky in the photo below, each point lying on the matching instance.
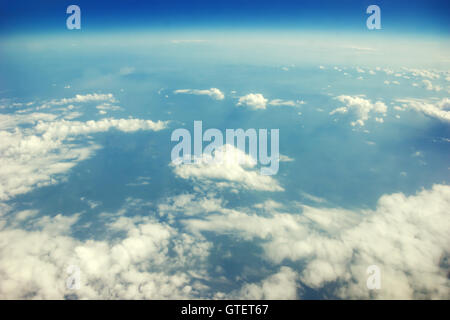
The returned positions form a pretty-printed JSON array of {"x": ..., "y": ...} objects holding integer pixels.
[
  {"x": 412, "y": 17},
  {"x": 92, "y": 206}
]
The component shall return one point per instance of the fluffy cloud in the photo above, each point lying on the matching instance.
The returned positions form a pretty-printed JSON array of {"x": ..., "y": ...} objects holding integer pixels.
[
  {"x": 253, "y": 100},
  {"x": 287, "y": 103},
  {"x": 361, "y": 106},
  {"x": 62, "y": 129},
  {"x": 257, "y": 101},
  {"x": 213, "y": 93},
  {"x": 439, "y": 110},
  {"x": 423, "y": 73},
  {"x": 79, "y": 98},
  {"x": 229, "y": 167},
  {"x": 279, "y": 286},
  {"x": 150, "y": 261},
  {"x": 429, "y": 86},
  {"x": 37, "y": 155},
  {"x": 405, "y": 236}
]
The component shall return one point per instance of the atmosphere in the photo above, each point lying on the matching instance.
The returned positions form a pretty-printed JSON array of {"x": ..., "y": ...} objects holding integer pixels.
[{"x": 215, "y": 150}]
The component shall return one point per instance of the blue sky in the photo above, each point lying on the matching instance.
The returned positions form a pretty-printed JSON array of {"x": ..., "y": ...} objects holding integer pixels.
[
  {"x": 87, "y": 182},
  {"x": 398, "y": 16}
]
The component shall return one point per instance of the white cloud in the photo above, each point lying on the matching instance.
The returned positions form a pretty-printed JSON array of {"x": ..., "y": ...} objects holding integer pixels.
[
  {"x": 339, "y": 110},
  {"x": 439, "y": 110},
  {"x": 229, "y": 167},
  {"x": 423, "y": 73},
  {"x": 288, "y": 103},
  {"x": 253, "y": 100},
  {"x": 405, "y": 236},
  {"x": 138, "y": 265},
  {"x": 284, "y": 158},
  {"x": 62, "y": 129},
  {"x": 429, "y": 86},
  {"x": 79, "y": 98},
  {"x": 310, "y": 197},
  {"x": 361, "y": 106},
  {"x": 279, "y": 286},
  {"x": 213, "y": 93},
  {"x": 107, "y": 107},
  {"x": 257, "y": 101},
  {"x": 37, "y": 156}
]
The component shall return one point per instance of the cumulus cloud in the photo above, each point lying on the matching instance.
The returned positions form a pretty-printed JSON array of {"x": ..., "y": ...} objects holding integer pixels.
[
  {"x": 405, "y": 236},
  {"x": 423, "y": 73},
  {"x": 80, "y": 98},
  {"x": 257, "y": 101},
  {"x": 282, "y": 285},
  {"x": 213, "y": 92},
  {"x": 37, "y": 155},
  {"x": 438, "y": 110},
  {"x": 253, "y": 100},
  {"x": 228, "y": 167},
  {"x": 151, "y": 260},
  {"x": 429, "y": 86},
  {"x": 61, "y": 129},
  {"x": 361, "y": 106}
]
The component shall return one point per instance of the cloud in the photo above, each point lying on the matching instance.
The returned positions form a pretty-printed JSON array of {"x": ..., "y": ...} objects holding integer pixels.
[
  {"x": 253, "y": 100},
  {"x": 79, "y": 98},
  {"x": 279, "y": 286},
  {"x": 103, "y": 108},
  {"x": 229, "y": 167},
  {"x": 288, "y": 103},
  {"x": 362, "y": 107},
  {"x": 312, "y": 198},
  {"x": 284, "y": 158},
  {"x": 405, "y": 236},
  {"x": 38, "y": 155},
  {"x": 430, "y": 87},
  {"x": 423, "y": 73},
  {"x": 213, "y": 93},
  {"x": 439, "y": 110},
  {"x": 257, "y": 101},
  {"x": 151, "y": 260},
  {"x": 62, "y": 129}
]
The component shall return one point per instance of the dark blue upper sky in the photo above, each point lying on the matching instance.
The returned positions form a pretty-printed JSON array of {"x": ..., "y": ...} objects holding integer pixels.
[{"x": 412, "y": 16}]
